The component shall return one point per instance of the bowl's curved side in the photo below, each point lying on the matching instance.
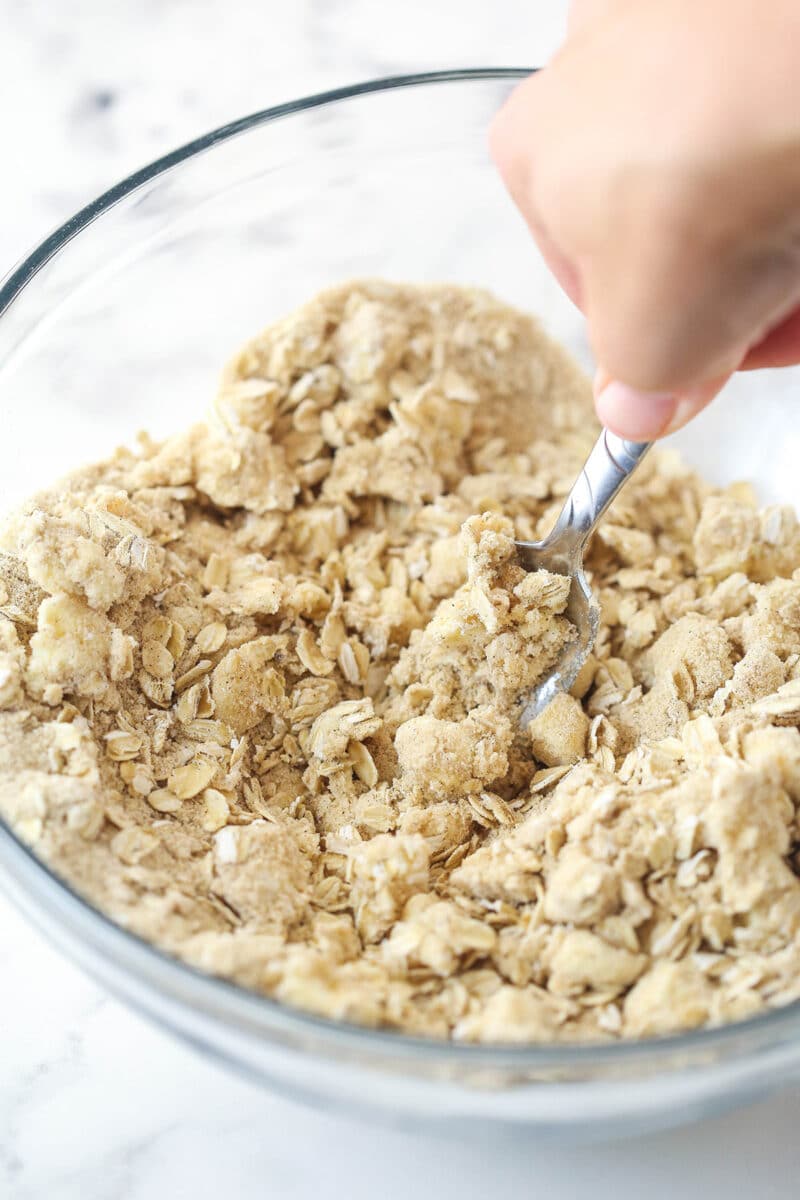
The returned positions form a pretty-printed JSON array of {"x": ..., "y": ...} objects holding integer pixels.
[
  {"x": 558, "y": 1092},
  {"x": 619, "y": 1087}
]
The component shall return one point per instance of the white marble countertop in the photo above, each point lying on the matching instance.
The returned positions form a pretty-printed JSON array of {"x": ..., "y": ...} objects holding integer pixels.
[{"x": 94, "y": 1103}]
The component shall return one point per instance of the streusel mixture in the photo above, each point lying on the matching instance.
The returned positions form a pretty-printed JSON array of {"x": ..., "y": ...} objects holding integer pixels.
[{"x": 259, "y": 694}]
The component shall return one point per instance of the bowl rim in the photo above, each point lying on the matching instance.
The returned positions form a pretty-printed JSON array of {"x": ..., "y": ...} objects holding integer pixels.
[
  {"x": 14, "y": 280},
  {"x": 50, "y": 901}
]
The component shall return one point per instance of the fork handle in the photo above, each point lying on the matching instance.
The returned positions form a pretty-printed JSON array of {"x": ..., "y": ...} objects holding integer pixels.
[{"x": 610, "y": 464}]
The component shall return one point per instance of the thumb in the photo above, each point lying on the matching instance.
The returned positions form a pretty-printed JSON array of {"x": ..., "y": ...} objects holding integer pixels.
[
  {"x": 584, "y": 14},
  {"x": 643, "y": 416}
]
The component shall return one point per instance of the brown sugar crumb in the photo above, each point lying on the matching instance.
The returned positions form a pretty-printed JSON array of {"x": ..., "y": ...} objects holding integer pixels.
[
  {"x": 558, "y": 734},
  {"x": 260, "y": 684}
]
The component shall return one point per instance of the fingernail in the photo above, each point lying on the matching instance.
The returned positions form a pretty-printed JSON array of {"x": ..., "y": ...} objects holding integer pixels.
[
  {"x": 638, "y": 416},
  {"x": 601, "y": 381}
]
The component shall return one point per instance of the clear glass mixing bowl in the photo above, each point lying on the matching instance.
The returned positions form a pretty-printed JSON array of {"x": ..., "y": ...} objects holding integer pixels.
[{"x": 121, "y": 320}]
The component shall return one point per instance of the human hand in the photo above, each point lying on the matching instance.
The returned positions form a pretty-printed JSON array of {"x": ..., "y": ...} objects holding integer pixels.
[{"x": 656, "y": 161}]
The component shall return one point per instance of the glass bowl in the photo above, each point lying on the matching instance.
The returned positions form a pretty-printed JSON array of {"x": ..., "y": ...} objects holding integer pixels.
[{"x": 121, "y": 320}]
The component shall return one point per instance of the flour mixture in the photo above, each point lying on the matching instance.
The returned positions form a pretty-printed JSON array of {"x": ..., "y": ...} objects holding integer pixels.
[{"x": 259, "y": 684}]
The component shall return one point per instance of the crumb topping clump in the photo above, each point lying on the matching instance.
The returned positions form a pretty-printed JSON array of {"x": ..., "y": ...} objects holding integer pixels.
[{"x": 259, "y": 694}]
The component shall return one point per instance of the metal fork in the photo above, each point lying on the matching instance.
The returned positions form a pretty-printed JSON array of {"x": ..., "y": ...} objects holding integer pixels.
[{"x": 610, "y": 464}]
